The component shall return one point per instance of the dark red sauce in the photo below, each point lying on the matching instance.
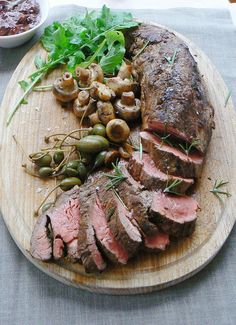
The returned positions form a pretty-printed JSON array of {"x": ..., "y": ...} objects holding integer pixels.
[{"x": 18, "y": 16}]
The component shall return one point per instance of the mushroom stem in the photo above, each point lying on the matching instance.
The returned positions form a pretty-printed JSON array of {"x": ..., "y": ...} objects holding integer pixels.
[
  {"x": 67, "y": 80},
  {"x": 127, "y": 98}
]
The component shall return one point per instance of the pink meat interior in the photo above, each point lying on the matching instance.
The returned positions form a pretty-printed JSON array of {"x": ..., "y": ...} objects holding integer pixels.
[
  {"x": 105, "y": 235},
  {"x": 194, "y": 156},
  {"x": 158, "y": 241},
  {"x": 178, "y": 208},
  {"x": 150, "y": 168}
]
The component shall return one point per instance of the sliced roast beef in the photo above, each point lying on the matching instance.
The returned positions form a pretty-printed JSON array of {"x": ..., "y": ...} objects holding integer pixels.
[
  {"x": 145, "y": 171},
  {"x": 175, "y": 215},
  {"x": 88, "y": 250},
  {"x": 172, "y": 95},
  {"x": 57, "y": 229},
  {"x": 119, "y": 219},
  {"x": 170, "y": 160},
  {"x": 137, "y": 200},
  {"x": 156, "y": 243},
  {"x": 109, "y": 244},
  {"x": 41, "y": 239}
]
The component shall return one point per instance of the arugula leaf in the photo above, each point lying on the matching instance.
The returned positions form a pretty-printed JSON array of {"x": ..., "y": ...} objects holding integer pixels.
[
  {"x": 39, "y": 61},
  {"x": 24, "y": 84},
  {"x": 95, "y": 36}
]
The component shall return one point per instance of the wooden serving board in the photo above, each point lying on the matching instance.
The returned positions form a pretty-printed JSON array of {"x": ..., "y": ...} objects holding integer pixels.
[{"x": 20, "y": 193}]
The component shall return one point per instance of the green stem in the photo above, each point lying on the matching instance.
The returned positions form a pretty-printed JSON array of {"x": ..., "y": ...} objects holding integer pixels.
[
  {"x": 42, "y": 88},
  {"x": 18, "y": 103}
]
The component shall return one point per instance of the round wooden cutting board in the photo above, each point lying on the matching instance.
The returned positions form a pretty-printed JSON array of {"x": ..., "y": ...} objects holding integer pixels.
[{"x": 20, "y": 193}]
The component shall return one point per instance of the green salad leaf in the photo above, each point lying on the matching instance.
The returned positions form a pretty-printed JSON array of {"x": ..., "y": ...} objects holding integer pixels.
[{"x": 79, "y": 41}]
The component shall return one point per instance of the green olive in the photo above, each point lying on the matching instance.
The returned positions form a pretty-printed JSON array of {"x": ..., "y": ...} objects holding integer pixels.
[
  {"x": 99, "y": 129},
  {"x": 42, "y": 160},
  {"x": 100, "y": 159},
  {"x": 68, "y": 183},
  {"x": 70, "y": 172},
  {"x": 73, "y": 164},
  {"x": 92, "y": 144},
  {"x": 45, "y": 171},
  {"x": 58, "y": 156},
  {"x": 82, "y": 171},
  {"x": 47, "y": 206}
]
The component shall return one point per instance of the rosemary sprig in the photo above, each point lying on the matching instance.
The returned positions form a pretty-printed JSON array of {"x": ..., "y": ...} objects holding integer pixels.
[
  {"x": 115, "y": 178},
  {"x": 140, "y": 150},
  {"x": 227, "y": 97},
  {"x": 171, "y": 59},
  {"x": 217, "y": 189},
  {"x": 170, "y": 188},
  {"x": 164, "y": 139},
  {"x": 141, "y": 50},
  {"x": 189, "y": 146}
]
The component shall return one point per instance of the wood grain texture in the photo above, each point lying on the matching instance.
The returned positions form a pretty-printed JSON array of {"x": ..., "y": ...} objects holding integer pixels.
[{"x": 21, "y": 193}]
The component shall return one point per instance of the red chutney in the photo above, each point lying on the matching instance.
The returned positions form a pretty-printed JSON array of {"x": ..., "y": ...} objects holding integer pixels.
[{"x": 18, "y": 16}]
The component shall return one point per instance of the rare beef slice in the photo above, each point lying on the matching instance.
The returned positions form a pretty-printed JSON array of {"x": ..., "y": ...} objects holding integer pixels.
[
  {"x": 56, "y": 231},
  {"x": 171, "y": 160},
  {"x": 144, "y": 170},
  {"x": 175, "y": 215}
]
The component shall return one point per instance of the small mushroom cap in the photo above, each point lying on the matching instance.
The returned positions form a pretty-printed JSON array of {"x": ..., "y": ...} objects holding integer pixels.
[
  {"x": 96, "y": 73},
  {"x": 125, "y": 71},
  {"x": 101, "y": 91},
  {"x": 128, "y": 107},
  {"x": 119, "y": 85},
  {"x": 83, "y": 76},
  {"x": 117, "y": 130},
  {"x": 84, "y": 110},
  {"x": 94, "y": 119},
  {"x": 105, "y": 111},
  {"x": 65, "y": 89}
]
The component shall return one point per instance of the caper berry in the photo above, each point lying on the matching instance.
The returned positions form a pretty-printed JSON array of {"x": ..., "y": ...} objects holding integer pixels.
[
  {"x": 68, "y": 183},
  {"x": 44, "y": 161},
  {"x": 58, "y": 156},
  {"x": 82, "y": 171},
  {"x": 45, "y": 171},
  {"x": 71, "y": 172},
  {"x": 92, "y": 144},
  {"x": 72, "y": 164},
  {"x": 99, "y": 129},
  {"x": 47, "y": 206},
  {"x": 99, "y": 160}
]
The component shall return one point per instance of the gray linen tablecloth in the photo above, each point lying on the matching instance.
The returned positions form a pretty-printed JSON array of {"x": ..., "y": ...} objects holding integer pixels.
[{"x": 28, "y": 296}]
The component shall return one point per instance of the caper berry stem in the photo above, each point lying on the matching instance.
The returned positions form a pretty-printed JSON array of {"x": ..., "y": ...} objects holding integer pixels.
[
  {"x": 72, "y": 132},
  {"x": 36, "y": 212},
  {"x": 47, "y": 138},
  {"x": 31, "y": 156},
  {"x": 65, "y": 160},
  {"x": 20, "y": 146},
  {"x": 30, "y": 172}
]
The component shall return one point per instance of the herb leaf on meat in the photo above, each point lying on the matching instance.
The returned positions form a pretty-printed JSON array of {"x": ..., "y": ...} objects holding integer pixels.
[
  {"x": 188, "y": 147},
  {"x": 115, "y": 177},
  {"x": 170, "y": 188}
]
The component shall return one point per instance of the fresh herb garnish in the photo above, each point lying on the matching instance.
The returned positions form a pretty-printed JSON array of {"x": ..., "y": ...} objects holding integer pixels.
[
  {"x": 141, "y": 50},
  {"x": 115, "y": 177},
  {"x": 170, "y": 188},
  {"x": 217, "y": 191},
  {"x": 187, "y": 147},
  {"x": 140, "y": 150},
  {"x": 227, "y": 98},
  {"x": 164, "y": 139},
  {"x": 81, "y": 40},
  {"x": 171, "y": 59}
]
